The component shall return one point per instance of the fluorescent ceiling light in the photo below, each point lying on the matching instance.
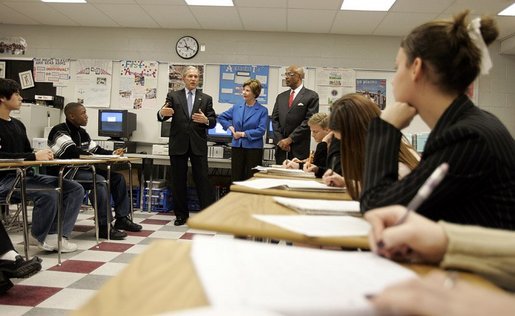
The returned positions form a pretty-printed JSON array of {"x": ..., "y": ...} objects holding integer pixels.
[
  {"x": 510, "y": 11},
  {"x": 211, "y": 3},
  {"x": 65, "y": 1},
  {"x": 367, "y": 5}
]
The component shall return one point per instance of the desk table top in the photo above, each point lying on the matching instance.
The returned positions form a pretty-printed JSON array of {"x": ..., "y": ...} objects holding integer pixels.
[{"x": 233, "y": 214}]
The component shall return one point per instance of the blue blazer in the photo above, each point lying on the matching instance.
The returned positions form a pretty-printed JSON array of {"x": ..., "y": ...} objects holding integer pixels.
[{"x": 254, "y": 125}]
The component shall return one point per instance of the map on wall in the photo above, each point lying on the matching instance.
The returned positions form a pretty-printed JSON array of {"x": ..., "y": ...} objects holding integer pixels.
[
  {"x": 93, "y": 82},
  {"x": 55, "y": 70},
  {"x": 232, "y": 78},
  {"x": 138, "y": 84}
]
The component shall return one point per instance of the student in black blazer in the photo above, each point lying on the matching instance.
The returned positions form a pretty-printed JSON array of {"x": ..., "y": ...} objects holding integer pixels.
[
  {"x": 436, "y": 63},
  {"x": 188, "y": 140},
  {"x": 290, "y": 119}
]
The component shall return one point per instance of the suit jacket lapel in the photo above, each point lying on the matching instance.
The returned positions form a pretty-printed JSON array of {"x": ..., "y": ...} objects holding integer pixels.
[{"x": 197, "y": 101}]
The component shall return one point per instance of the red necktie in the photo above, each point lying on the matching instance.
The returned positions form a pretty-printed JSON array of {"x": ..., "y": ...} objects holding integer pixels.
[{"x": 292, "y": 96}]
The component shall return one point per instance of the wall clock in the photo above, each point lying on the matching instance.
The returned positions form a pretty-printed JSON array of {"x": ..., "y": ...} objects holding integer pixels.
[{"x": 187, "y": 47}]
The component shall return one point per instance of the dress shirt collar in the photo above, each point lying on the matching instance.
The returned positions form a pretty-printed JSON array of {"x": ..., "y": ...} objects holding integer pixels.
[{"x": 297, "y": 90}]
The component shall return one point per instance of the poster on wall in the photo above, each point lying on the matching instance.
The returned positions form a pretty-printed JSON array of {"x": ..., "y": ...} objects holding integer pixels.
[
  {"x": 374, "y": 89},
  {"x": 232, "y": 78},
  {"x": 175, "y": 76},
  {"x": 332, "y": 83},
  {"x": 93, "y": 82},
  {"x": 55, "y": 70},
  {"x": 138, "y": 84}
]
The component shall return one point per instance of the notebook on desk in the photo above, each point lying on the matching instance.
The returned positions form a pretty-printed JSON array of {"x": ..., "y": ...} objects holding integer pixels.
[
  {"x": 320, "y": 207},
  {"x": 289, "y": 184}
]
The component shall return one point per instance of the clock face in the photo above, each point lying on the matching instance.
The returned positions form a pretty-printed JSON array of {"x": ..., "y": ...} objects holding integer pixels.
[{"x": 187, "y": 47}]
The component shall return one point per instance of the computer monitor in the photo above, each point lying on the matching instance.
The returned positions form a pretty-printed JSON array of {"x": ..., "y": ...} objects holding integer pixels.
[
  {"x": 218, "y": 135},
  {"x": 165, "y": 129},
  {"x": 270, "y": 132},
  {"x": 116, "y": 124}
]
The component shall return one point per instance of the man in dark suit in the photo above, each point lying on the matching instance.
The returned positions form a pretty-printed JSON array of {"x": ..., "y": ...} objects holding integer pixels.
[
  {"x": 290, "y": 116},
  {"x": 192, "y": 115}
]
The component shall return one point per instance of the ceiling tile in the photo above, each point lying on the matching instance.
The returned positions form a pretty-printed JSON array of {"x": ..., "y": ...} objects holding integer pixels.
[
  {"x": 164, "y": 2},
  {"x": 217, "y": 18},
  {"x": 41, "y": 12},
  {"x": 260, "y": 4},
  {"x": 85, "y": 14},
  {"x": 357, "y": 22},
  {"x": 420, "y": 6},
  {"x": 128, "y": 15},
  {"x": 310, "y": 21},
  {"x": 182, "y": 16},
  {"x": 317, "y": 5},
  {"x": 10, "y": 16},
  {"x": 395, "y": 24},
  {"x": 253, "y": 20}
]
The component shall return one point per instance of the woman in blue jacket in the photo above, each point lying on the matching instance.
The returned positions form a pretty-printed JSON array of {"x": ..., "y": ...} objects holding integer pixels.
[{"x": 247, "y": 122}]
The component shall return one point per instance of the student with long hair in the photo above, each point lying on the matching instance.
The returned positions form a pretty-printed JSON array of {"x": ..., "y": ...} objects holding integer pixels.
[
  {"x": 349, "y": 120},
  {"x": 436, "y": 63}
]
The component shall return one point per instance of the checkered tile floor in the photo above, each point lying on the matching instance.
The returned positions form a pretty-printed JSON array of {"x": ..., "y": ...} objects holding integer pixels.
[{"x": 58, "y": 290}]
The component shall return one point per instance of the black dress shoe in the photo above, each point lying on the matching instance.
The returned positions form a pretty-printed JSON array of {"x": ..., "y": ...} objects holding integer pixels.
[
  {"x": 115, "y": 233},
  {"x": 20, "y": 268},
  {"x": 5, "y": 283},
  {"x": 180, "y": 221},
  {"x": 124, "y": 223}
]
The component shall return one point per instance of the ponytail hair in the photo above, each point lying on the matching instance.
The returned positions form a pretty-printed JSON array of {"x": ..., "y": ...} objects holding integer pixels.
[{"x": 449, "y": 54}]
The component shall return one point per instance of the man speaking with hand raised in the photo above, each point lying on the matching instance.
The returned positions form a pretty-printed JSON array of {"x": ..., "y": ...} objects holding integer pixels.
[{"x": 191, "y": 113}]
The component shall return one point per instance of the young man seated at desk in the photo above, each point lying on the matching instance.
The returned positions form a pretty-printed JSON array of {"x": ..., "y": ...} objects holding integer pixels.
[
  {"x": 68, "y": 141},
  {"x": 14, "y": 144}
]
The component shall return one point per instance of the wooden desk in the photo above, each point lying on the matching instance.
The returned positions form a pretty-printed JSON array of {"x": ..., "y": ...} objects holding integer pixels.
[
  {"x": 233, "y": 214},
  {"x": 293, "y": 194},
  {"x": 163, "y": 279}
]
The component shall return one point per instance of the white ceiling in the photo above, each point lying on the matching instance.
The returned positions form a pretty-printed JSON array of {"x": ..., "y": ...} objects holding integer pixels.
[{"x": 309, "y": 16}]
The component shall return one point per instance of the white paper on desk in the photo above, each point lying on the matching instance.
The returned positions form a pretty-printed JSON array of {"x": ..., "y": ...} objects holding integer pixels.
[
  {"x": 12, "y": 159},
  {"x": 291, "y": 280},
  {"x": 291, "y": 184},
  {"x": 285, "y": 172},
  {"x": 320, "y": 207},
  {"x": 100, "y": 156},
  {"x": 319, "y": 226}
]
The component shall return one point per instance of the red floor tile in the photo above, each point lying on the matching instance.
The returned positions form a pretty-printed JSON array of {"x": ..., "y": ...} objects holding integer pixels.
[
  {"x": 27, "y": 295},
  {"x": 111, "y": 246},
  {"x": 156, "y": 221},
  {"x": 77, "y": 266},
  {"x": 142, "y": 233}
]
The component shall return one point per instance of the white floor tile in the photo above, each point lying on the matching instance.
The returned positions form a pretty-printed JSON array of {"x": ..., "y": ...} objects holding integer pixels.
[
  {"x": 10, "y": 310},
  {"x": 109, "y": 268},
  {"x": 166, "y": 235},
  {"x": 136, "y": 249},
  {"x": 68, "y": 299},
  {"x": 53, "y": 279},
  {"x": 96, "y": 255}
]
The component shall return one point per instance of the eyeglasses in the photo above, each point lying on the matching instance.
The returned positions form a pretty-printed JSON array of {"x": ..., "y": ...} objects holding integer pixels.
[{"x": 290, "y": 74}]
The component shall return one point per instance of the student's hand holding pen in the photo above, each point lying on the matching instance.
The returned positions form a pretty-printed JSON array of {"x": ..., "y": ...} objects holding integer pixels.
[
  {"x": 119, "y": 151},
  {"x": 333, "y": 179},
  {"x": 166, "y": 110},
  {"x": 416, "y": 239}
]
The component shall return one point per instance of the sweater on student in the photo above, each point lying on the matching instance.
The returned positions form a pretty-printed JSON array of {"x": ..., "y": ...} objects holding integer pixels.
[
  {"x": 14, "y": 143},
  {"x": 489, "y": 252},
  {"x": 68, "y": 141}
]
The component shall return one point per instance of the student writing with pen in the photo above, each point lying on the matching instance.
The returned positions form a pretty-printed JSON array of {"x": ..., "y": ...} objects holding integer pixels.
[
  {"x": 69, "y": 140},
  {"x": 349, "y": 119}
]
